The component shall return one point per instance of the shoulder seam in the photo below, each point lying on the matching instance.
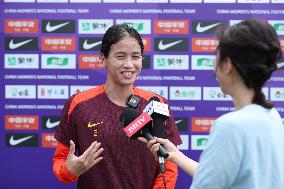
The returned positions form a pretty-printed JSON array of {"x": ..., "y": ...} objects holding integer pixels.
[
  {"x": 85, "y": 95},
  {"x": 147, "y": 94}
]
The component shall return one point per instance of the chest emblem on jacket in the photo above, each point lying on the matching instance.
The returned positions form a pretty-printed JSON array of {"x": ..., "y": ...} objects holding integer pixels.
[{"x": 91, "y": 125}]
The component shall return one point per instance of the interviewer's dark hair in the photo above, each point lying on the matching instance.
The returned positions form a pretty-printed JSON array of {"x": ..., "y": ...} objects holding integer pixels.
[
  {"x": 116, "y": 33},
  {"x": 253, "y": 47}
]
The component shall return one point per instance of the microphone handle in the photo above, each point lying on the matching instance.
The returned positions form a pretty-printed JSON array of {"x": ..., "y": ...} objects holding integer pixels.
[{"x": 162, "y": 152}]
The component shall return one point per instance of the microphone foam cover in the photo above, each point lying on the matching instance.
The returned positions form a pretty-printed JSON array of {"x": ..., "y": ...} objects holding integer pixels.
[
  {"x": 128, "y": 115},
  {"x": 154, "y": 98}
]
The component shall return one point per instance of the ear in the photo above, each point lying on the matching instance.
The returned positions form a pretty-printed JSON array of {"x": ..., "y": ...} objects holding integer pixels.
[
  {"x": 103, "y": 59},
  {"x": 228, "y": 66}
]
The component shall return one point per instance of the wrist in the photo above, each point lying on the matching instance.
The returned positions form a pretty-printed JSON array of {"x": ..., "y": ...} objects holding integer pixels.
[
  {"x": 70, "y": 170},
  {"x": 70, "y": 176},
  {"x": 177, "y": 155}
]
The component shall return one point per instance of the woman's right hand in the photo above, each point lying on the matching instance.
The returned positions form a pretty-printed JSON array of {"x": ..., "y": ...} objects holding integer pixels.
[
  {"x": 154, "y": 145},
  {"x": 79, "y": 165},
  {"x": 185, "y": 163}
]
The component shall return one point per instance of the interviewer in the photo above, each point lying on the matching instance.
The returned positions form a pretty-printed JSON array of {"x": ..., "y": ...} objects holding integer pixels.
[{"x": 245, "y": 149}]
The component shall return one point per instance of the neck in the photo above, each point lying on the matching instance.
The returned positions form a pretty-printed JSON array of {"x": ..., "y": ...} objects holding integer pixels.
[
  {"x": 242, "y": 97},
  {"x": 236, "y": 88},
  {"x": 118, "y": 94}
]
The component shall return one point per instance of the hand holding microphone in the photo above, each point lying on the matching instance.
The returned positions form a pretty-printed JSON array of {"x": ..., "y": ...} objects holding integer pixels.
[{"x": 156, "y": 143}]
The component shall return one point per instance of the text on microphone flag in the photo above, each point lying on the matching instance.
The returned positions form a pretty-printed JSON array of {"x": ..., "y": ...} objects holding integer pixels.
[{"x": 137, "y": 124}]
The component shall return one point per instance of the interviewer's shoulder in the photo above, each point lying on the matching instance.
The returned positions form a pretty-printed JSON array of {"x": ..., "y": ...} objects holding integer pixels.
[{"x": 242, "y": 118}]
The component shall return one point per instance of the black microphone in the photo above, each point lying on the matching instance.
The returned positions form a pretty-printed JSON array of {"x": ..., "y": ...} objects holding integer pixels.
[{"x": 137, "y": 124}]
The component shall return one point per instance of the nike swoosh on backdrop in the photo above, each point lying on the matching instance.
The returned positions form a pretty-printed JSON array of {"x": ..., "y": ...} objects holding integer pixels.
[
  {"x": 50, "y": 28},
  {"x": 14, "y": 142},
  {"x": 13, "y": 45},
  {"x": 50, "y": 125},
  {"x": 88, "y": 46},
  {"x": 279, "y": 65},
  {"x": 162, "y": 46},
  {"x": 200, "y": 28},
  {"x": 178, "y": 121}
]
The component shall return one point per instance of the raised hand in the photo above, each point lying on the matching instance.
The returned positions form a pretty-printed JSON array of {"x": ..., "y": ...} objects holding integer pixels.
[{"x": 79, "y": 165}]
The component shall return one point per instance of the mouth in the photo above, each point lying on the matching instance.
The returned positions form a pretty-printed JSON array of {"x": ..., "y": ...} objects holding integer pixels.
[{"x": 127, "y": 74}]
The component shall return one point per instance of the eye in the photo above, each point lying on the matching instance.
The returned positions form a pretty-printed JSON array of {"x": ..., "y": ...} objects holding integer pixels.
[
  {"x": 120, "y": 57},
  {"x": 136, "y": 57}
]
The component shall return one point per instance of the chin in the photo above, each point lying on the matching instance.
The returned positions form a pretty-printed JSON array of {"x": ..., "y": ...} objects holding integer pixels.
[
  {"x": 224, "y": 91},
  {"x": 127, "y": 83}
]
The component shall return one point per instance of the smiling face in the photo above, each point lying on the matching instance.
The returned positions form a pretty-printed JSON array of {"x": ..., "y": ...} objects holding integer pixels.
[{"x": 124, "y": 62}]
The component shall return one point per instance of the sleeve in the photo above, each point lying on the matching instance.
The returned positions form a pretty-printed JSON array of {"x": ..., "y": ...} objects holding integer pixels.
[
  {"x": 64, "y": 133},
  {"x": 171, "y": 129},
  {"x": 67, "y": 126},
  {"x": 221, "y": 160},
  {"x": 59, "y": 168},
  {"x": 171, "y": 173}
]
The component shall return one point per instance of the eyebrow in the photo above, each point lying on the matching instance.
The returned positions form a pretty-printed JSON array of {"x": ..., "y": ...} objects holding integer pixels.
[{"x": 124, "y": 53}]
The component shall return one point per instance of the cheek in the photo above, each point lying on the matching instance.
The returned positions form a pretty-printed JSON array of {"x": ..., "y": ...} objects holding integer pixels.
[
  {"x": 217, "y": 72},
  {"x": 215, "y": 69},
  {"x": 138, "y": 65},
  {"x": 215, "y": 64}
]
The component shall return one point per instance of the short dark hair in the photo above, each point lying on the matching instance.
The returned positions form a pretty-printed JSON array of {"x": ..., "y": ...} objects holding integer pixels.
[
  {"x": 254, "y": 48},
  {"x": 116, "y": 33}
]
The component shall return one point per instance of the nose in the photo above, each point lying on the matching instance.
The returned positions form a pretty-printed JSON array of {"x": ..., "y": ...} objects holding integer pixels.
[{"x": 128, "y": 62}]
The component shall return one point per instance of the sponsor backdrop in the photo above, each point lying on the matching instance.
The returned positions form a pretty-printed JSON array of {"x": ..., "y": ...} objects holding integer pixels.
[{"x": 49, "y": 51}]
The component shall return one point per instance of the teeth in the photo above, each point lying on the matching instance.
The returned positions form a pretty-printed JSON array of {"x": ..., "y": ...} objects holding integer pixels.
[{"x": 127, "y": 73}]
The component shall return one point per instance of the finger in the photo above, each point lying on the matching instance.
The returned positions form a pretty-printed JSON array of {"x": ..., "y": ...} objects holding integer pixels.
[
  {"x": 93, "y": 152},
  {"x": 85, "y": 155},
  {"x": 155, "y": 148},
  {"x": 96, "y": 161},
  {"x": 72, "y": 148},
  {"x": 161, "y": 140},
  {"x": 95, "y": 158},
  {"x": 142, "y": 139},
  {"x": 97, "y": 154},
  {"x": 151, "y": 143},
  {"x": 97, "y": 146},
  {"x": 154, "y": 151}
]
